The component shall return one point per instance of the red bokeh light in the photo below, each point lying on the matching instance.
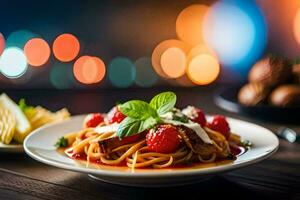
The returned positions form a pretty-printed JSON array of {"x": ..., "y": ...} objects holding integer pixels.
[{"x": 2, "y": 43}]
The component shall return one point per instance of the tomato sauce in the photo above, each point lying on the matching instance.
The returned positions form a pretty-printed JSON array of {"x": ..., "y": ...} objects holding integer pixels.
[{"x": 97, "y": 164}]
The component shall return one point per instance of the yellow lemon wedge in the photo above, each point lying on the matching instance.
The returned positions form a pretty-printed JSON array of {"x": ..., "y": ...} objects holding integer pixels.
[
  {"x": 61, "y": 115},
  {"x": 7, "y": 126},
  {"x": 22, "y": 127},
  {"x": 43, "y": 116}
]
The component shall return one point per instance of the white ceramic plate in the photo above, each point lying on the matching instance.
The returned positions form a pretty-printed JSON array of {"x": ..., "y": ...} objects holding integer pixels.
[
  {"x": 11, "y": 148},
  {"x": 40, "y": 146}
]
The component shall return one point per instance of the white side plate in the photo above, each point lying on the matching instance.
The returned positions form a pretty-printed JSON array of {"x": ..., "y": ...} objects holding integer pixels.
[{"x": 11, "y": 148}]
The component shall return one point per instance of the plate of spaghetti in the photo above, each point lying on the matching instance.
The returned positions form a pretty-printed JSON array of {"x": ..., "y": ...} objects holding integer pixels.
[{"x": 152, "y": 143}]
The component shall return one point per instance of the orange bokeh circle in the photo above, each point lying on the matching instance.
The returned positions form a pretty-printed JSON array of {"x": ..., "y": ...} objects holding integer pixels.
[
  {"x": 160, "y": 49},
  {"x": 66, "y": 47},
  {"x": 173, "y": 62},
  {"x": 203, "y": 69},
  {"x": 89, "y": 70},
  {"x": 200, "y": 49},
  {"x": 37, "y": 51},
  {"x": 189, "y": 24},
  {"x": 297, "y": 26}
]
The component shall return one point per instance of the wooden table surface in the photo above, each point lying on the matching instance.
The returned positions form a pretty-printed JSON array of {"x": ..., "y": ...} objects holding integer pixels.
[{"x": 21, "y": 177}]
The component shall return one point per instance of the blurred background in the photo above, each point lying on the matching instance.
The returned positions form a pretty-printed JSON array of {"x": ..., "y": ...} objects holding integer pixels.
[{"x": 130, "y": 43}]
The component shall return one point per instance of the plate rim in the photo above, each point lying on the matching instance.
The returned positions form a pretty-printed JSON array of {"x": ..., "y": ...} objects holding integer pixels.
[
  {"x": 11, "y": 148},
  {"x": 157, "y": 174}
]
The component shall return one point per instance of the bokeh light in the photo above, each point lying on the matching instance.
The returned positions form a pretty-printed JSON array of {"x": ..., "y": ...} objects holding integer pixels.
[
  {"x": 27, "y": 78},
  {"x": 145, "y": 75},
  {"x": 121, "y": 72},
  {"x": 297, "y": 26},
  {"x": 173, "y": 62},
  {"x": 101, "y": 70},
  {"x": 184, "y": 81},
  {"x": 236, "y": 30},
  {"x": 2, "y": 43},
  {"x": 203, "y": 69},
  {"x": 189, "y": 24},
  {"x": 161, "y": 48},
  {"x": 37, "y": 51},
  {"x": 89, "y": 70},
  {"x": 231, "y": 33},
  {"x": 19, "y": 38},
  {"x": 78, "y": 68},
  {"x": 280, "y": 17},
  {"x": 13, "y": 62},
  {"x": 201, "y": 49},
  {"x": 61, "y": 76},
  {"x": 66, "y": 47},
  {"x": 203, "y": 66}
]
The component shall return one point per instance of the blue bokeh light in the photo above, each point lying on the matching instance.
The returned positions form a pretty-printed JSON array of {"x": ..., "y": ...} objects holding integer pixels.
[
  {"x": 237, "y": 31},
  {"x": 145, "y": 75},
  {"x": 61, "y": 76},
  {"x": 19, "y": 38},
  {"x": 13, "y": 62},
  {"x": 121, "y": 72}
]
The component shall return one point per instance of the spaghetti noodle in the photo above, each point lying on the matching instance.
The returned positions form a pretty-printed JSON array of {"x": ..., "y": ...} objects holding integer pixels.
[
  {"x": 102, "y": 145},
  {"x": 137, "y": 155}
]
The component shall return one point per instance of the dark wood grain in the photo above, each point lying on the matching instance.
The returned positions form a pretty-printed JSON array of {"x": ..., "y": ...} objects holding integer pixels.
[{"x": 23, "y": 178}]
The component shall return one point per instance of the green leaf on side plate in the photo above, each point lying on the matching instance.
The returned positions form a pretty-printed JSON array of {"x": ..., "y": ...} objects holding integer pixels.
[{"x": 62, "y": 142}]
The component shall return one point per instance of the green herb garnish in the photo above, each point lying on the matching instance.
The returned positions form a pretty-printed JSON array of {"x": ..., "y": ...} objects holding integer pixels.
[
  {"x": 62, "y": 142},
  {"x": 28, "y": 110},
  {"x": 179, "y": 116},
  {"x": 183, "y": 119},
  {"x": 23, "y": 106},
  {"x": 131, "y": 126},
  {"x": 138, "y": 109},
  {"x": 163, "y": 102},
  {"x": 246, "y": 143},
  {"x": 142, "y": 115}
]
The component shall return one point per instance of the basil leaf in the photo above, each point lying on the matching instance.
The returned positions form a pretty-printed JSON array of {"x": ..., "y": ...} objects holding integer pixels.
[
  {"x": 137, "y": 109},
  {"x": 163, "y": 102},
  {"x": 130, "y": 126},
  {"x": 148, "y": 123}
]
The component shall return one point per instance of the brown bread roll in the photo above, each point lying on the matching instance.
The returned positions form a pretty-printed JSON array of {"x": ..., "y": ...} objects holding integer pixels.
[
  {"x": 296, "y": 73},
  {"x": 253, "y": 94},
  {"x": 271, "y": 71},
  {"x": 286, "y": 95}
]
